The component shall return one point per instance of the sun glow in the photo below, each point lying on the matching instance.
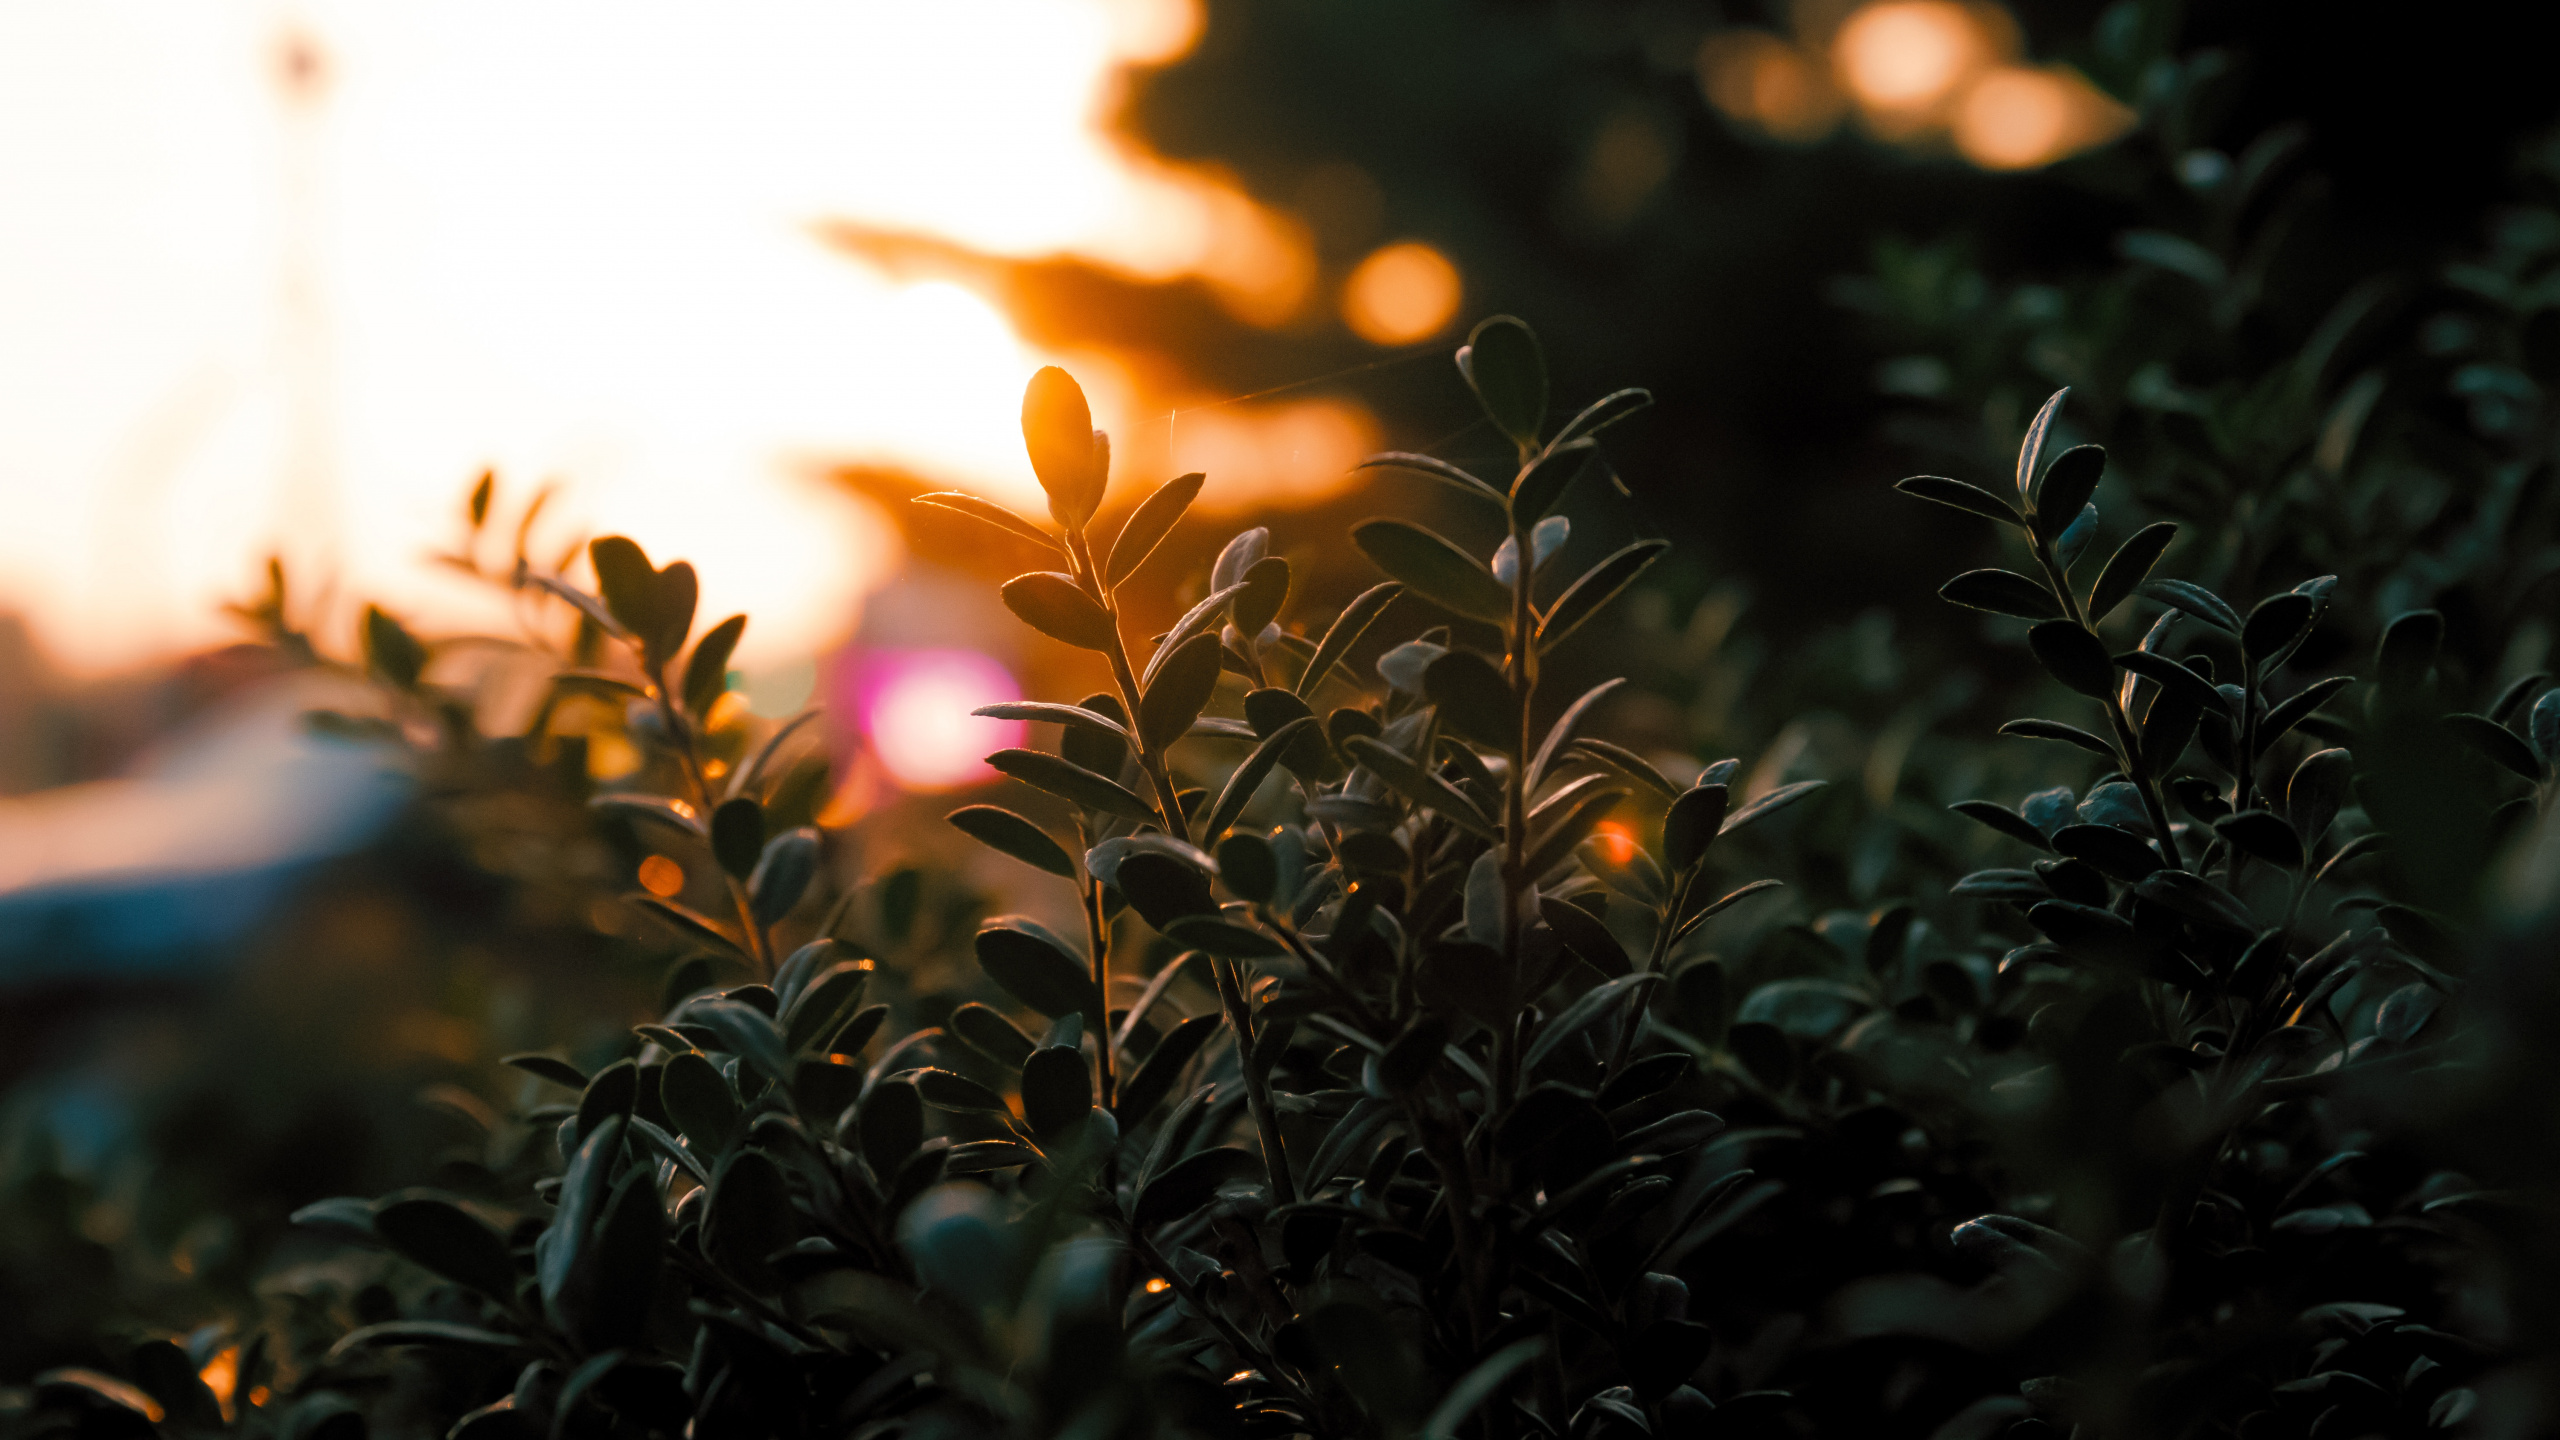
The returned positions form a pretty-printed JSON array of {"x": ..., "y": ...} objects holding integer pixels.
[{"x": 283, "y": 278}]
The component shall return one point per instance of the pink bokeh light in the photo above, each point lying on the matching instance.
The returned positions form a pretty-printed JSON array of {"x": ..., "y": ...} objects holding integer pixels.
[{"x": 913, "y": 709}]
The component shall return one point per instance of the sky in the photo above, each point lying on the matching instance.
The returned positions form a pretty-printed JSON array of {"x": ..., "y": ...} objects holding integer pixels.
[{"x": 284, "y": 278}]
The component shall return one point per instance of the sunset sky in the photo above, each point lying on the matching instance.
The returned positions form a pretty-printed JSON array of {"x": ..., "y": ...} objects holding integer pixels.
[{"x": 286, "y": 277}]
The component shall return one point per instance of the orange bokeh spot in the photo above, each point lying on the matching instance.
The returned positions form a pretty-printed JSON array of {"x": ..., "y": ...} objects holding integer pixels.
[
  {"x": 2016, "y": 119},
  {"x": 1754, "y": 76},
  {"x": 1616, "y": 842},
  {"x": 1904, "y": 60},
  {"x": 221, "y": 1375},
  {"x": 1402, "y": 293},
  {"x": 1158, "y": 1285},
  {"x": 661, "y": 877}
]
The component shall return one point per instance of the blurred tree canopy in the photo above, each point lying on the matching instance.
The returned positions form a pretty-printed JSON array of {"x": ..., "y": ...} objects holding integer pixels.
[{"x": 1479, "y": 128}]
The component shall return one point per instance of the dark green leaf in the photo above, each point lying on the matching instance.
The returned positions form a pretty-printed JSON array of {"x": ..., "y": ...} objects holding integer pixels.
[
  {"x": 2273, "y": 627},
  {"x": 1248, "y": 868},
  {"x": 2031, "y": 451},
  {"x": 1057, "y": 1092},
  {"x": 1722, "y": 903},
  {"x": 619, "y": 1276},
  {"x": 1433, "y": 568},
  {"x": 1628, "y": 763},
  {"x": 1589, "y": 1009},
  {"x": 1419, "y": 785},
  {"x": 1345, "y": 632},
  {"x": 2168, "y": 674},
  {"x": 2319, "y": 788},
  {"x": 1142, "y": 1092},
  {"x": 1543, "y": 480},
  {"x": 950, "y": 1090},
  {"x": 391, "y": 654},
  {"x": 1057, "y": 607},
  {"x": 629, "y": 584},
  {"x": 2055, "y": 730},
  {"x": 1972, "y": 499},
  {"x": 697, "y": 1097},
  {"x": 1070, "y": 781},
  {"x": 557, "y": 1071},
  {"x": 2293, "y": 711},
  {"x": 1147, "y": 526},
  {"x": 782, "y": 876},
  {"x": 1163, "y": 889},
  {"x": 2497, "y": 742},
  {"x": 2263, "y": 834},
  {"x": 1583, "y": 933},
  {"x": 1037, "y": 971},
  {"x": 2197, "y": 899},
  {"x": 1508, "y": 372},
  {"x": 1200, "y": 619},
  {"x": 583, "y": 1190},
  {"x": 2073, "y": 656},
  {"x": 1075, "y": 717},
  {"x": 2068, "y": 484},
  {"x": 1561, "y": 734},
  {"x": 1001, "y": 830},
  {"x": 1100, "y": 751},
  {"x": 988, "y": 512},
  {"x": 2003, "y": 819},
  {"x": 1266, "y": 589},
  {"x": 1550, "y": 845},
  {"x": 422, "y": 1332},
  {"x": 2020, "y": 887},
  {"x": 706, "y": 675},
  {"x": 2075, "y": 539},
  {"x": 1248, "y": 777},
  {"x": 2408, "y": 649},
  {"x": 1598, "y": 586},
  {"x": 852, "y": 1037},
  {"x": 978, "y": 1157},
  {"x": 1474, "y": 701},
  {"x": 1602, "y": 413},
  {"x": 890, "y": 1124},
  {"x": 1178, "y": 692},
  {"x": 1224, "y": 940},
  {"x": 748, "y": 1033},
  {"x": 1437, "y": 469},
  {"x": 1193, "y": 1183},
  {"x": 447, "y": 1240},
  {"x": 2128, "y": 567},
  {"x": 2118, "y": 854},
  {"x": 611, "y": 1092},
  {"x": 990, "y": 1033},
  {"x": 749, "y": 1218},
  {"x": 1769, "y": 804},
  {"x": 737, "y": 835},
  {"x": 2002, "y": 592},
  {"x": 2195, "y": 600},
  {"x": 1691, "y": 824},
  {"x": 823, "y": 1005}
]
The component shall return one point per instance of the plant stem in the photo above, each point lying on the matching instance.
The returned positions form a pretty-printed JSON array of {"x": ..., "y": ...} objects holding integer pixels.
[
  {"x": 2126, "y": 740},
  {"x": 1097, "y": 932},
  {"x": 759, "y": 947},
  {"x": 1257, "y": 1085},
  {"x": 1523, "y": 675}
]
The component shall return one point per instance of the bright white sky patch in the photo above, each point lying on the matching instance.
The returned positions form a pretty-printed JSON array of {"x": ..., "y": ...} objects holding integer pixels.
[{"x": 567, "y": 239}]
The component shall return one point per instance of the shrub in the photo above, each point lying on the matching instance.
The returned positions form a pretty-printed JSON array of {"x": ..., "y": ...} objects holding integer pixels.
[{"x": 1426, "y": 1063}]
